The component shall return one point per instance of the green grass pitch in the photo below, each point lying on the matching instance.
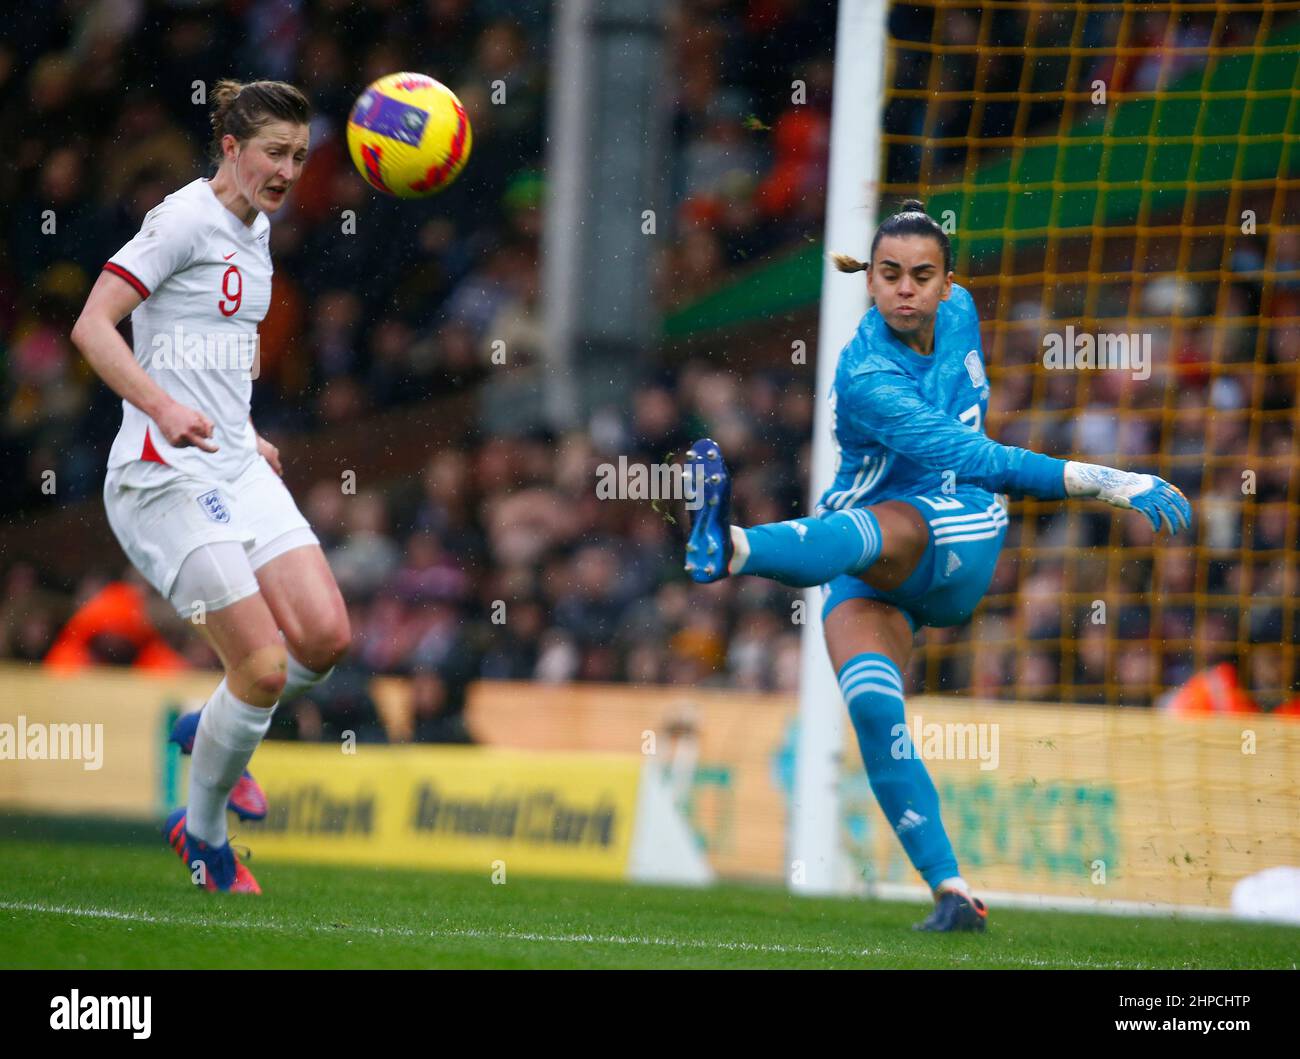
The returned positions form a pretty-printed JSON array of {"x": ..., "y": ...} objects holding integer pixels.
[{"x": 83, "y": 905}]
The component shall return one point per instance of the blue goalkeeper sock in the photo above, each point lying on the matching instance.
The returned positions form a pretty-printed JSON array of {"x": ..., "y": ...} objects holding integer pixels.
[
  {"x": 873, "y": 689},
  {"x": 811, "y": 551}
]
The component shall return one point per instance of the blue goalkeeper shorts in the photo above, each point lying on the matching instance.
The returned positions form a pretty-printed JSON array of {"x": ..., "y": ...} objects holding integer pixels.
[{"x": 967, "y": 529}]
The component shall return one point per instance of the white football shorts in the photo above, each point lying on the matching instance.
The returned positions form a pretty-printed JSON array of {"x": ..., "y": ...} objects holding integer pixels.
[{"x": 160, "y": 516}]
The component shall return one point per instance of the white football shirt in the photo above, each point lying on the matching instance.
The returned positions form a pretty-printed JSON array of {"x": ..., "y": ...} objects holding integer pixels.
[{"x": 205, "y": 277}]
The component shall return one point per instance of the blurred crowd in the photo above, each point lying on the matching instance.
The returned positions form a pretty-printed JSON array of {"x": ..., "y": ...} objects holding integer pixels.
[{"x": 500, "y": 561}]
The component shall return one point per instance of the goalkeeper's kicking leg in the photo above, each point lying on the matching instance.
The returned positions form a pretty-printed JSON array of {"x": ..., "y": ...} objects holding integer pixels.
[
  {"x": 888, "y": 538},
  {"x": 813, "y": 551}
]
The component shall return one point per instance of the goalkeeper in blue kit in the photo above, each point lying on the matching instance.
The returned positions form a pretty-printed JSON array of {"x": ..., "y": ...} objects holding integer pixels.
[{"x": 909, "y": 532}]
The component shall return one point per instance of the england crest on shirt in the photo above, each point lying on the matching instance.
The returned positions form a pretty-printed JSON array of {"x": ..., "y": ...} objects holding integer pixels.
[{"x": 213, "y": 506}]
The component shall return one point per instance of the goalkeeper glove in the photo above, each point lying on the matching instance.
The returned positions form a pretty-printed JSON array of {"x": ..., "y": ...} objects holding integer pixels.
[{"x": 1152, "y": 496}]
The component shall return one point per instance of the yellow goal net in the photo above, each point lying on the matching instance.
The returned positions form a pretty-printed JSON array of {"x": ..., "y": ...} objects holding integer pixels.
[{"x": 1120, "y": 183}]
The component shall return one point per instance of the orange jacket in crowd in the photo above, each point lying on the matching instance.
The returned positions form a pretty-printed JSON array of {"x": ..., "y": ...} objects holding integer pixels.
[
  {"x": 117, "y": 609},
  {"x": 1216, "y": 690}
]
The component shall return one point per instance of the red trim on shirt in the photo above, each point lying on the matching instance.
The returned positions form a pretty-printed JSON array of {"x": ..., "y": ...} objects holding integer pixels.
[
  {"x": 122, "y": 273},
  {"x": 149, "y": 454}
]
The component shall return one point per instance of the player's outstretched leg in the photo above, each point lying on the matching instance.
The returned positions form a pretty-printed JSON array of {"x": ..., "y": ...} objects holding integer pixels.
[
  {"x": 800, "y": 552},
  {"x": 214, "y": 868},
  {"x": 247, "y": 801},
  {"x": 873, "y": 688}
]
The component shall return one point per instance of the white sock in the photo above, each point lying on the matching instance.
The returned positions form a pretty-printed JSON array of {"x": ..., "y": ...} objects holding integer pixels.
[
  {"x": 229, "y": 731},
  {"x": 299, "y": 678},
  {"x": 955, "y": 882},
  {"x": 739, "y": 550}
]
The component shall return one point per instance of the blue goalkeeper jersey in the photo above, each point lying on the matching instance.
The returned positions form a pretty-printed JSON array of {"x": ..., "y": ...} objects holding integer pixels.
[{"x": 905, "y": 424}]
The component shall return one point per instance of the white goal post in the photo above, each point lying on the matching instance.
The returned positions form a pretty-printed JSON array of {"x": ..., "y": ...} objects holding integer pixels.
[{"x": 817, "y": 865}]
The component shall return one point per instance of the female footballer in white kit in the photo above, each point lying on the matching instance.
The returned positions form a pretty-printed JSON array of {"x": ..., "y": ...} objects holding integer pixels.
[{"x": 193, "y": 494}]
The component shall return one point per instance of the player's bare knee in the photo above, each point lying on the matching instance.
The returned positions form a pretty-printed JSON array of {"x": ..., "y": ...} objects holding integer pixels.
[
  {"x": 323, "y": 647},
  {"x": 269, "y": 687},
  {"x": 260, "y": 677}
]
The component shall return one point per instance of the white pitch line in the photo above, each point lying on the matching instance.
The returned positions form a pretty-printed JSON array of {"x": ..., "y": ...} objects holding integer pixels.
[{"x": 475, "y": 934}]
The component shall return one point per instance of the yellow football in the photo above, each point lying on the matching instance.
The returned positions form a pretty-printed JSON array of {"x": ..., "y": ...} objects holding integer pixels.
[{"x": 409, "y": 135}]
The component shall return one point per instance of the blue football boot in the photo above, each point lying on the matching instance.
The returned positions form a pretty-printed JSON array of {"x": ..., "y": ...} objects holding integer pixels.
[
  {"x": 709, "y": 549},
  {"x": 223, "y": 872},
  {"x": 955, "y": 911}
]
